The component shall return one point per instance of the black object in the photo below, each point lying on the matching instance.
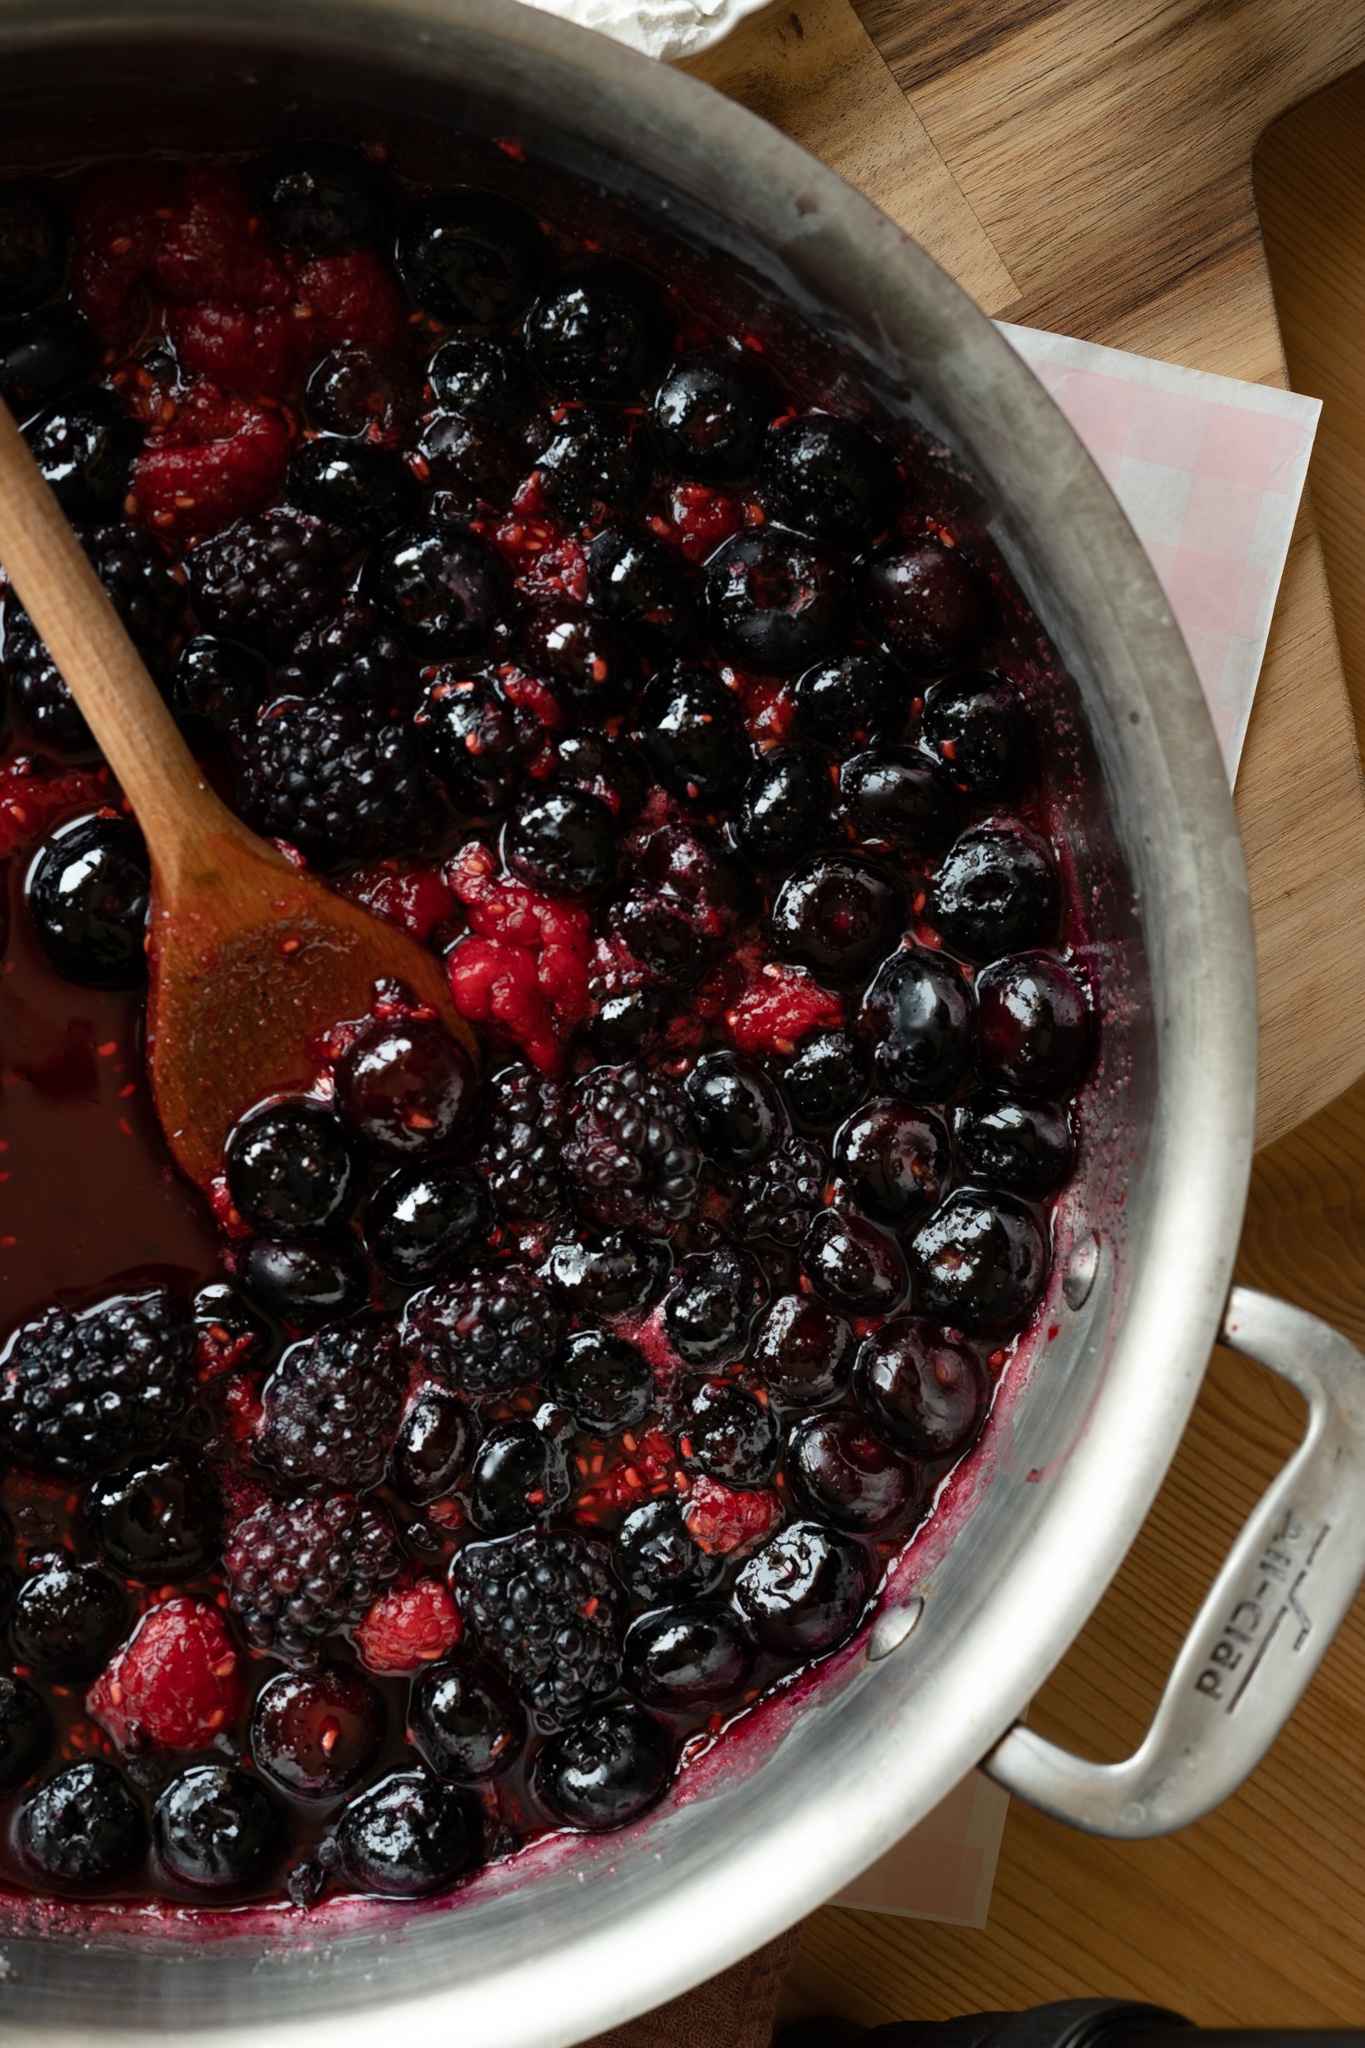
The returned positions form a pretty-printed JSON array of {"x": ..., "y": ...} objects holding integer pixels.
[{"x": 1071, "y": 2023}]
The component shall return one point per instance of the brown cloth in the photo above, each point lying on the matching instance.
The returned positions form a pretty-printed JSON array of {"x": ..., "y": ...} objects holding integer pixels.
[{"x": 734, "y": 2010}]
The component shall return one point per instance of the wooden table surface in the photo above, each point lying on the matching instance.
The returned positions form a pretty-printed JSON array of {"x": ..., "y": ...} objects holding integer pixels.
[{"x": 1087, "y": 165}]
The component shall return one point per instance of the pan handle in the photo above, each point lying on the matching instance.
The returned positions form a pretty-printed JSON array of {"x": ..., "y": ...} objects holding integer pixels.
[{"x": 1283, "y": 1592}]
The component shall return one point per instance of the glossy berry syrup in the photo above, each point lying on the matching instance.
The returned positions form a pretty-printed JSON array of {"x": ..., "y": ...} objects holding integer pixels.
[{"x": 499, "y": 1433}]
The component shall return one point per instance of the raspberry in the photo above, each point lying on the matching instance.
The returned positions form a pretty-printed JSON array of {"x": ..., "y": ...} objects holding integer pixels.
[
  {"x": 778, "y": 1199},
  {"x": 349, "y": 655},
  {"x": 523, "y": 1136},
  {"x": 408, "y": 1628},
  {"x": 77, "y": 1391},
  {"x": 633, "y": 1153},
  {"x": 215, "y": 249},
  {"x": 779, "y": 1007},
  {"x": 492, "y": 1329},
  {"x": 546, "y": 1607},
  {"x": 256, "y": 353},
  {"x": 32, "y": 799},
  {"x": 302, "y": 1569},
  {"x": 117, "y": 230},
  {"x": 414, "y": 898},
  {"x": 331, "y": 1407},
  {"x": 723, "y": 1520},
  {"x": 217, "y": 460},
  {"x": 353, "y": 300},
  {"x": 334, "y": 780},
  {"x": 524, "y": 966},
  {"x": 701, "y": 519},
  {"x": 264, "y": 578},
  {"x": 175, "y": 1684}
]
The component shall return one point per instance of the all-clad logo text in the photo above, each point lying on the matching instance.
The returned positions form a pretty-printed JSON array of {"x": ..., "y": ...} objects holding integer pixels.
[{"x": 1262, "y": 1611}]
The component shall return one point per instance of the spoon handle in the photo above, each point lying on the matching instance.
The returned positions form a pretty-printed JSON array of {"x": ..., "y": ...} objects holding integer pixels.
[{"x": 100, "y": 665}]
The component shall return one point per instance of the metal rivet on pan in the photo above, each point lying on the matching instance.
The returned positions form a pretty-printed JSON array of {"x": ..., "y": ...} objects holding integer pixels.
[
  {"x": 891, "y": 1628},
  {"x": 1081, "y": 1269}
]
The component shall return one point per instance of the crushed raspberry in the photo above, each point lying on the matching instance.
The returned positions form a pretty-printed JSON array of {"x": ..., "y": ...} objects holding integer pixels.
[
  {"x": 780, "y": 1007},
  {"x": 252, "y": 352},
  {"x": 723, "y": 1519},
  {"x": 407, "y": 1628},
  {"x": 217, "y": 1351},
  {"x": 698, "y": 519},
  {"x": 767, "y": 709},
  {"x": 351, "y": 299},
  {"x": 615, "y": 1481},
  {"x": 118, "y": 221},
  {"x": 541, "y": 558},
  {"x": 242, "y": 1408},
  {"x": 416, "y": 899},
  {"x": 187, "y": 487},
  {"x": 496, "y": 984},
  {"x": 524, "y": 965},
  {"x": 175, "y": 1684},
  {"x": 32, "y": 799},
  {"x": 529, "y": 694},
  {"x": 214, "y": 249}
]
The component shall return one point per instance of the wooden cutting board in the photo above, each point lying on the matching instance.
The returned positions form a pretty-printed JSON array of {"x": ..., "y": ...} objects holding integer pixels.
[{"x": 1085, "y": 165}]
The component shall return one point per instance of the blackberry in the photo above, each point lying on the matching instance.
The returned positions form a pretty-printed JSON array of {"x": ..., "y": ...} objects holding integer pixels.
[
  {"x": 299, "y": 1570},
  {"x": 332, "y": 1406},
  {"x": 263, "y": 578},
  {"x": 352, "y": 656},
  {"x": 524, "y": 1129},
  {"x": 490, "y": 1329},
  {"x": 632, "y": 1153},
  {"x": 336, "y": 780},
  {"x": 778, "y": 1199},
  {"x": 546, "y": 1608},
  {"x": 146, "y": 597},
  {"x": 78, "y": 1391}
]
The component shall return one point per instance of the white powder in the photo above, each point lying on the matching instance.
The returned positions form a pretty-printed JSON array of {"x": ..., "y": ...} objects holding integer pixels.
[{"x": 661, "y": 28}]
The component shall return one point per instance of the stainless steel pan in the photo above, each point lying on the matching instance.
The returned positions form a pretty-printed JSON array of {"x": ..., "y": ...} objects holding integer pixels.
[{"x": 597, "y": 1930}]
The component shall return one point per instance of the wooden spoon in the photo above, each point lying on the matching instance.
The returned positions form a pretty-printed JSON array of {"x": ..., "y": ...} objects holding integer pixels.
[{"x": 250, "y": 960}]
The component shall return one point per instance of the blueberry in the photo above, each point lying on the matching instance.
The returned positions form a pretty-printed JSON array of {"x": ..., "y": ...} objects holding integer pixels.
[
  {"x": 978, "y": 726},
  {"x": 829, "y": 478},
  {"x": 66, "y": 1619},
  {"x": 321, "y": 197},
  {"x": 603, "y": 1382},
  {"x": 804, "y": 1592},
  {"x": 598, "y": 331},
  {"x": 562, "y": 841},
  {"x": 893, "y": 801},
  {"x": 488, "y": 381},
  {"x": 351, "y": 484},
  {"x": 847, "y": 701},
  {"x": 470, "y": 467},
  {"x": 895, "y": 1161},
  {"x": 775, "y": 599},
  {"x": 355, "y": 393},
  {"x": 471, "y": 736},
  {"x": 980, "y": 1262},
  {"x": 616, "y": 1275},
  {"x": 1024, "y": 1147},
  {"x": 471, "y": 258},
  {"x": 657, "y": 1557},
  {"x": 692, "y": 734},
  {"x": 605, "y": 1770},
  {"x": 218, "y": 684},
  {"x": 409, "y": 1835},
  {"x": 784, "y": 811},
  {"x": 847, "y": 1476},
  {"x": 316, "y": 1733},
  {"x": 803, "y": 1352},
  {"x": 32, "y": 248},
  {"x": 635, "y": 582},
  {"x": 592, "y": 464},
  {"x": 924, "y": 1008},
  {"x": 627, "y": 1024},
  {"x": 419, "y": 1220},
  {"x": 466, "y": 1721},
  {"x": 568, "y": 647},
  {"x": 852, "y": 1265},
  {"x": 729, "y": 1434},
  {"x": 45, "y": 356},
  {"x": 155, "y": 1521},
  {"x": 406, "y": 1088},
  {"x": 84, "y": 1828},
  {"x": 709, "y": 417},
  {"x": 440, "y": 585},
  {"x": 689, "y": 863},
  {"x": 825, "y": 1080},
  {"x": 924, "y": 603},
  {"x": 610, "y": 768},
  {"x": 735, "y": 1107},
  {"x": 838, "y": 916},
  {"x": 25, "y": 1732},
  {"x": 434, "y": 1446},
  {"x": 1036, "y": 1027},
  {"x": 84, "y": 449},
  {"x": 681, "y": 1658},
  {"x": 304, "y": 1283},
  {"x": 290, "y": 1169},
  {"x": 997, "y": 892},
  {"x": 518, "y": 1477},
  {"x": 217, "y": 1829},
  {"x": 658, "y": 933},
  {"x": 712, "y": 1305},
  {"x": 924, "y": 1393},
  {"x": 89, "y": 893}
]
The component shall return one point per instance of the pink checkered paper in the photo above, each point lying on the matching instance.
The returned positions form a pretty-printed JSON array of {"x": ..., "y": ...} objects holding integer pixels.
[{"x": 1210, "y": 472}]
